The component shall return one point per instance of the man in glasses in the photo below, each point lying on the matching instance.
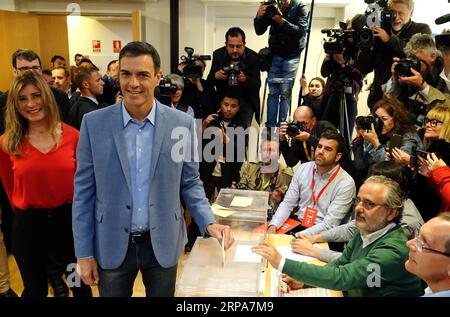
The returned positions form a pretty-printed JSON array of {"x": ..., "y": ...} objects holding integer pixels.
[
  {"x": 423, "y": 88},
  {"x": 429, "y": 256},
  {"x": 235, "y": 65},
  {"x": 372, "y": 263}
]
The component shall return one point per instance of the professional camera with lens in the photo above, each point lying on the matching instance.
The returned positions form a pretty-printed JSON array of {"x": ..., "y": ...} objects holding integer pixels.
[
  {"x": 337, "y": 39},
  {"x": 365, "y": 123},
  {"x": 271, "y": 9},
  {"x": 403, "y": 67},
  {"x": 295, "y": 127},
  {"x": 166, "y": 88},
  {"x": 379, "y": 15},
  {"x": 232, "y": 72},
  {"x": 192, "y": 70}
]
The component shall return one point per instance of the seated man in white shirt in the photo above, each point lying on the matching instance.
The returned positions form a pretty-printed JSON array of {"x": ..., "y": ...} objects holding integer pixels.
[
  {"x": 429, "y": 256},
  {"x": 321, "y": 189}
]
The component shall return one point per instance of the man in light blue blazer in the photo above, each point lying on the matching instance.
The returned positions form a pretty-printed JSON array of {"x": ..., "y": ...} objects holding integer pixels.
[{"x": 135, "y": 159}]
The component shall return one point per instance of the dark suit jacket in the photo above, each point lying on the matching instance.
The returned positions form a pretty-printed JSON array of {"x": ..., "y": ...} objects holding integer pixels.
[
  {"x": 62, "y": 100},
  {"x": 249, "y": 90},
  {"x": 79, "y": 109}
]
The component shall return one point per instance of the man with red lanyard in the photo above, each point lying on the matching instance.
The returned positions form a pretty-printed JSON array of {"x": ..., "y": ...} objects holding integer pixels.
[{"x": 321, "y": 189}]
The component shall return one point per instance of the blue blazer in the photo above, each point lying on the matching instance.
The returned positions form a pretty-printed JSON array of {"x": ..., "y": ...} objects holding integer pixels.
[{"x": 102, "y": 194}]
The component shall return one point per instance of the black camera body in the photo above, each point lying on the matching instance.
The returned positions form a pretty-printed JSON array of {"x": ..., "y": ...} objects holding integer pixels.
[
  {"x": 404, "y": 65},
  {"x": 192, "y": 70},
  {"x": 365, "y": 123},
  {"x": 232, "y": 72},
  {"x": 337, "y": 39},
  {"x": 379, "y": 15},
  {"x": 443, "y": 41},
  {"x": 271, "y": 9},
  {"x": 166, "y": 88},
  {"x": 295, "y": 127}
]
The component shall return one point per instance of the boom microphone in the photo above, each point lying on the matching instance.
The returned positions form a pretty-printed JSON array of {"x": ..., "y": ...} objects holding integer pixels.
[{"x": 443, "y": 19}]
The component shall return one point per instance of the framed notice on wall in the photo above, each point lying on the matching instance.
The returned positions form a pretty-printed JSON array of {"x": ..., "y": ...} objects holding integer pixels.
[
  {"x": 96, "y": 46},
  {"x": 117, "y": 46}
]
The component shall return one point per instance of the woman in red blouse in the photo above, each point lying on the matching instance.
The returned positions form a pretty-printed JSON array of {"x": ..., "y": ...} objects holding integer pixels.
[{"x": 37, "y": 166}]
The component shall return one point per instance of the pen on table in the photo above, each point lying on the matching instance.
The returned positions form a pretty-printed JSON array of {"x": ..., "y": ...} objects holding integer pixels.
[{"x": 294, "y": 235}]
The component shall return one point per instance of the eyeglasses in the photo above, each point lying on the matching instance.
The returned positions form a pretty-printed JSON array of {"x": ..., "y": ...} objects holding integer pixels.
[
  {"x": 420, "y": 245},
  {"x": 433, "y": 122},
  {"x": 367, "y": 204},
  {"x": 24, "y": 68}
]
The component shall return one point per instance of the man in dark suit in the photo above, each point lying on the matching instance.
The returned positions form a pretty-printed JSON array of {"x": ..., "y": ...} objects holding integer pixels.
[
  {"x": 91, "y": 85},
  {"x": 247, "y": 79}
]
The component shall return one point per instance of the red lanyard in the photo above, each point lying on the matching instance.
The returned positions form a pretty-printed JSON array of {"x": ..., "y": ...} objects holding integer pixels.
[{"x": 314, "y": 198}]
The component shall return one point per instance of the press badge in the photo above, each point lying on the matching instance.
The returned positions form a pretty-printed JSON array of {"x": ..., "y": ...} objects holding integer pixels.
[{"x": 309, "y": 218}]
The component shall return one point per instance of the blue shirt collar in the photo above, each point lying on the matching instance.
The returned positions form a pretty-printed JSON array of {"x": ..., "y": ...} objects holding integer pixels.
[{"x": 127, "y": 118}]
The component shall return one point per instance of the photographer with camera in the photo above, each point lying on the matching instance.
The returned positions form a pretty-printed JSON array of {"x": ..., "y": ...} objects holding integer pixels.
[
  {"x": 436, "y": 139},
  {"x": 220, "y": 170},
  {"x": 197, "y": 92},
  {"x": 304, "y": 133},
  {"x": 390, "y": 39},
  {"x": 375, "y": 131},
  {"x": 176, "y": 93},
  {"x": 342, "y": 67},
  {"x": 312, "y": 94},
  {"x": 236, "y": 65},
  {"x": 415, "y": 79},
  {"x": 288, "y": 21}
]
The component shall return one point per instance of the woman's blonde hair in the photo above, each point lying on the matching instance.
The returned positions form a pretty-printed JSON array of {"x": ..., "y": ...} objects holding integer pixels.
[
  {"x": 16, "y": 126},
  {"x": 441, "y": 113}
]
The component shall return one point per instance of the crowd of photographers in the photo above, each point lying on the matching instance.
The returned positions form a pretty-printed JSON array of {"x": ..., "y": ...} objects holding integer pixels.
[{"x": 409, "y": 123}]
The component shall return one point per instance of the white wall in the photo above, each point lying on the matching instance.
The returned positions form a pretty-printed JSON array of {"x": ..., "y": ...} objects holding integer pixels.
[
  {"x": 82, "y": 30},
  {"x": 8, "y": 5},
  {"x": 157, "y": 30}
]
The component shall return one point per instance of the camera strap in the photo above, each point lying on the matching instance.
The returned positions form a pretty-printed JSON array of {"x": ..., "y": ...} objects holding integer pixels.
[{"x": 309, "y": 157}]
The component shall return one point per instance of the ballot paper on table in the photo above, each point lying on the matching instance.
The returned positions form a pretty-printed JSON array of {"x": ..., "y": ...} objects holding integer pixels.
[
  {"x": 286, "y": 251},
  {"x": 221, "y": 211},
  {"x": 240, "y": 201},
  {"x": 244, "y": 253}
]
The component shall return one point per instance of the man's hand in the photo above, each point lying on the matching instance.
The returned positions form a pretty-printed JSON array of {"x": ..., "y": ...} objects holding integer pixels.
[
  {"x": 262, "y": 10},
  {"x": 291, "y": 283},
  {"x": 381, "y": 34},
  {"x": 339, "y": 58},
  {"x": 220, "y": 75},
  {"x": 87, "y": 269},
  {"x": 302, "y": 136},
  {"x": 269, "y": 252},
  {"x": 217, "y": 231},
  {"x": 241, "y": 77},
  {"x": 207, "y": 121},
  {"x": 305, "y": 247},
  {"x": 415, "y": 80},
  {"x": 278, "y": 17},
  {"x": 282, "y": 131},
  {"x": 277, "y": 196},
  {"x": 395, "y": 61}
]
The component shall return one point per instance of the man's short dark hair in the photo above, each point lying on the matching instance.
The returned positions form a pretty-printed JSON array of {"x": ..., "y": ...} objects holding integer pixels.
[
  {"x": 47, "y": 72},
  {"x": 137, "y": 48},
  {"x": 234, "y": 32},
  {"x": 333, "y": 135},
  {"x": 78, "y": 54},
  {"x": 83, "y": 73},
  {"x": 66, "y": 71},
  {"x": 54, "y": 58},
  {"x": 232, "y": 93},
  {"x": 25, "y": 54},
  {"x": 110, "y": 63}
]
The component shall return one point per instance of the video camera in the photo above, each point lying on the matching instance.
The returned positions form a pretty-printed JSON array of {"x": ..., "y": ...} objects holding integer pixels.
[
  {"x": 336, "y": 41},
  {"x": 166, "y": 88},
  {"x": 379, "y": 15},
  {"x": 365, "y": 123},
  {"x": 192, "y": 70},
  {"x": 271, "y": 9},
  {"x": 232, "y": 72},
  {"x": 295, "y": 127},
  {"x": 404, "y": 65}
]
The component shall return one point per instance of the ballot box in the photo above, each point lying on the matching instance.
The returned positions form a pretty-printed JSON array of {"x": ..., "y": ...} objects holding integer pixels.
[
  {"x": 207, "y": 272},
  {"x": 242, "y": 210}
]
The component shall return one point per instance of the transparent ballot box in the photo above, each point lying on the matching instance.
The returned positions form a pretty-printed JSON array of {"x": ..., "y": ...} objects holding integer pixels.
[
  {"x": 249, "y": 208},
  {"x": 204, "y": 274}
]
